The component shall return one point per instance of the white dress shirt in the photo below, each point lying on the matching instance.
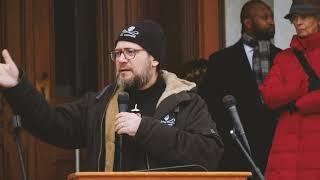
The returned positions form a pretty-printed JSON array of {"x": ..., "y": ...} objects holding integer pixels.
[{"x": 249, "y": 52}]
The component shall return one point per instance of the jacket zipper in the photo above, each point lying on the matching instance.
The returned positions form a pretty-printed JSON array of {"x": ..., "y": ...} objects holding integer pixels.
[
  {"x": 100, "y": 149},
  {"x": 147, "y": 161}
]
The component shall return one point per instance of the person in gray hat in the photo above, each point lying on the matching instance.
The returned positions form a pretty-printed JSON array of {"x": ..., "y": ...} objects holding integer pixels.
[
  {"x": 166, "y": 122},
  {"x": 293, "y": 87}
]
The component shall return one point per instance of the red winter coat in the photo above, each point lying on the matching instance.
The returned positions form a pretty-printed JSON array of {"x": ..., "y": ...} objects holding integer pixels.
[{"x": 295, "y": 152}]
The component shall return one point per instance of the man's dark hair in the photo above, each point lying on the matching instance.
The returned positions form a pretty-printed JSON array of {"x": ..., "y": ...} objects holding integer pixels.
[{"x": 246, "y": 10}]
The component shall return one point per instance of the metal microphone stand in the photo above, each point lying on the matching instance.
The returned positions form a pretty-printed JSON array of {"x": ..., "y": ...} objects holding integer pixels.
[
  {"x": 254, "y": 167},
  {"x": 16, "y": 124},
  {"x": 245, "y": 141}
]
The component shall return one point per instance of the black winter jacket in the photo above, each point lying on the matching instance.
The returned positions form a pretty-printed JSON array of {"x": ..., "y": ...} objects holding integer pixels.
[{"x": 192, "y": 140}]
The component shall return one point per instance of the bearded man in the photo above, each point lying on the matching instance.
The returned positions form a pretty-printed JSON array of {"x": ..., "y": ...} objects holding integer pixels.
[{"x": 167, "y": 124}]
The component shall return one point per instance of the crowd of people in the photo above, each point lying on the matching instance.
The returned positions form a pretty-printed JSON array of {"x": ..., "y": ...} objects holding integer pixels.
[{"x": 172, "y": 122}]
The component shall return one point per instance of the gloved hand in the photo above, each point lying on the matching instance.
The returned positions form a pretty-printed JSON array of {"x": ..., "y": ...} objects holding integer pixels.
[{"x": 314, "y": 84}]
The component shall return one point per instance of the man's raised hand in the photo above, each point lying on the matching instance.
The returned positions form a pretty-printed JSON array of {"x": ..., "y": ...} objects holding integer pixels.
[{"x": 9, "y": 73}]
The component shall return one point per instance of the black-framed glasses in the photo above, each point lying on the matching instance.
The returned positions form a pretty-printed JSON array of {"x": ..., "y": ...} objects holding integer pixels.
[{"x": 129, "y": 53}]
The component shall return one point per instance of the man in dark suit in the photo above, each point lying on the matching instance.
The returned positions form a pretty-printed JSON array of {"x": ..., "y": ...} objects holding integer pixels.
[{"x": 238, "y": 70}]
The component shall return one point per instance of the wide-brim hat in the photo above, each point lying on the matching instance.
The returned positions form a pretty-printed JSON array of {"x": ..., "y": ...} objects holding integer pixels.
[{"x": 311, "y": 7}]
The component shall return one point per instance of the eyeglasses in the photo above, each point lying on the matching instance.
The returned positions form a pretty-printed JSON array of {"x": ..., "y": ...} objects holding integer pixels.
[{"x": 128, "y": 53}]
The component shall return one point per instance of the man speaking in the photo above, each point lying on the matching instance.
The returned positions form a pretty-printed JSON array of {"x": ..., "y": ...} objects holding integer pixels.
[{"x": 171, "y": 128}]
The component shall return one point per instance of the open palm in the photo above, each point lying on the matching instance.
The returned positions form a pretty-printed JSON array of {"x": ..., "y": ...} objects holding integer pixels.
[{"x": 8, "y": 71}]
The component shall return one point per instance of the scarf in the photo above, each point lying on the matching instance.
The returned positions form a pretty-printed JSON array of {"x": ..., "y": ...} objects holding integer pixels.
[{"x": 261, "y": 56}]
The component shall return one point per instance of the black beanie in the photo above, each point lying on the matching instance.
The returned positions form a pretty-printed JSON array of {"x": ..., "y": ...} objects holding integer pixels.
[{"x": 149, "y": 35}]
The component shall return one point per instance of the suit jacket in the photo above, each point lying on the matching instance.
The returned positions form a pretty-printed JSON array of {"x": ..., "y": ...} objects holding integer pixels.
[{"x": 229, "y": 72}]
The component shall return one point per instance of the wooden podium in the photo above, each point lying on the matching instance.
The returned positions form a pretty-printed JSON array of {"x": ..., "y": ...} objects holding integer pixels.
[{"x": 159, "y": 175}]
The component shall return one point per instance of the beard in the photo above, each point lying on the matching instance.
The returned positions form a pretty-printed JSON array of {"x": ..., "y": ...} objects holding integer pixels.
[
  {"x": 138, "y": 79},
  {"x": 264, "y": 34}
]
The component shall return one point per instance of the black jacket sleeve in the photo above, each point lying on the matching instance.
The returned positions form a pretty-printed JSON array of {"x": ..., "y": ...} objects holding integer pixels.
[{"x": 61, "y": 126}]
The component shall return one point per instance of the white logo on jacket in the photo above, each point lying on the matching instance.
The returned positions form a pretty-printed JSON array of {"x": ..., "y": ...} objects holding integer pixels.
[{"x": 168, "y": 120}]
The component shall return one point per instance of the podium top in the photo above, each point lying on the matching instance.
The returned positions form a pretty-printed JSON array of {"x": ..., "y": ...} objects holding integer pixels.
[{"x": 159, "y": 175}]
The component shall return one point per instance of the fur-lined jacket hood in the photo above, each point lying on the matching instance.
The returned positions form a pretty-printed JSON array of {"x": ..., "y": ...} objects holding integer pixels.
[{"x": 174, "y": 85}]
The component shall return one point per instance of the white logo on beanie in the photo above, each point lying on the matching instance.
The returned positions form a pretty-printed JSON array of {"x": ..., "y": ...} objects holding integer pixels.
[
  {"x": 129, "y": 32},
  {"x": 131, "y": 28}
]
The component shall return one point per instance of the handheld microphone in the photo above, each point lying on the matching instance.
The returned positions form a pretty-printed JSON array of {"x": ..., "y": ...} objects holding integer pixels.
[
  {"x": 123, "y": 101},
  {"x": 230, "y": 103}
]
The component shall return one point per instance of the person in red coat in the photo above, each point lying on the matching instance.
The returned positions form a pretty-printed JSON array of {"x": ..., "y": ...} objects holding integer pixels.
[{"x": 295, "y": 152}]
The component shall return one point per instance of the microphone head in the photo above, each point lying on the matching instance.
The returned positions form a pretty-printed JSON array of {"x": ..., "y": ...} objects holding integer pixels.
[
  {"x": 229, "y": 101},
  {"x": 123, "y": 97}
]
